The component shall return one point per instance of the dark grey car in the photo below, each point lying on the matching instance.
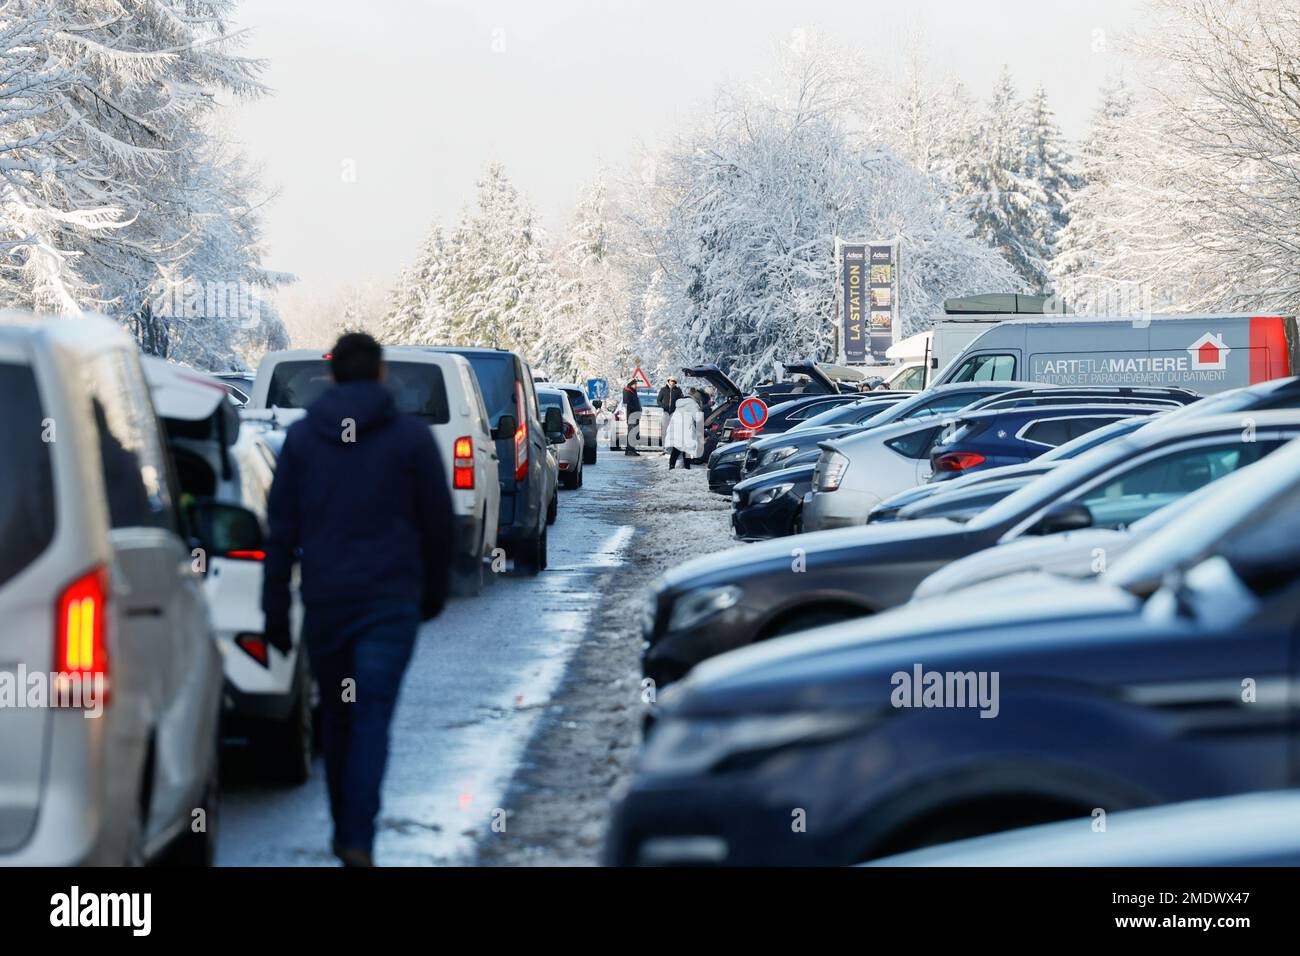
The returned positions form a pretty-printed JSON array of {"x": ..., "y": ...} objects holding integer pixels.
[{"x": 724, "y": 601}]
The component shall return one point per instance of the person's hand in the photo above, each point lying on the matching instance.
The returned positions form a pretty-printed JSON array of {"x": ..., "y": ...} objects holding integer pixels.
[{"x": 278, "y": 637}]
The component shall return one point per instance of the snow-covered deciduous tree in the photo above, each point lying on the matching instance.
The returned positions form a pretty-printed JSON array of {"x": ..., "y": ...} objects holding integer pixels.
[
  {"x": 115, "y": 191},
  {"x": 741, "y": 223}
]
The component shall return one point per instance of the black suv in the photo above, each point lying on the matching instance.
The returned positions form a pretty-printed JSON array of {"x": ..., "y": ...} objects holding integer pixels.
[{"x": 507, "y": 386}]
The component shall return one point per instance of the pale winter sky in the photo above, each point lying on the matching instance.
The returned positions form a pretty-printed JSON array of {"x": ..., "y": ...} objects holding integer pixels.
[{"x": 416, "y": 96}]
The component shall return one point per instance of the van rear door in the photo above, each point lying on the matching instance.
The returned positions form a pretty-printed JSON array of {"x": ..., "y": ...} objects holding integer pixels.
[{"x": 28, "y": 589}]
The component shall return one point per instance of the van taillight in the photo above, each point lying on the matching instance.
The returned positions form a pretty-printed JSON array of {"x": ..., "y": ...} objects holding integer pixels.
[
  {"x": 79, "y": 646},
  {"x": 462, "y": 471},
  {"x": 521, "y": 436},
  {"x": 958, "y": 461},
  {"x": 256, "y": 555}
]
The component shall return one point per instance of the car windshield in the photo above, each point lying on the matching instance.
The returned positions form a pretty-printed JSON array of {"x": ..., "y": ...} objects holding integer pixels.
[
  {"x": 418, "y": 387},
  {"x": 495, "y": 372},
  {"x": 1052, "y": 485},
  {"x": 1089, "y": 440},
  {"x": 851, "y": 414}
]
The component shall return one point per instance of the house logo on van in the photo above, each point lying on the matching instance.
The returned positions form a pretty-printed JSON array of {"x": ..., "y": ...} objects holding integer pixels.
[{"x": 1209, "y": 353}]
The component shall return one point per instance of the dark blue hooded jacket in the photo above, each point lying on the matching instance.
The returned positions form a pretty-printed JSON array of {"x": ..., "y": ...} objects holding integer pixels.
[{"x": 364, "y": 509}]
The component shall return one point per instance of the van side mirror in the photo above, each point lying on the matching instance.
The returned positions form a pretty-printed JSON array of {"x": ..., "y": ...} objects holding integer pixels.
[
  {"x": 225, "y": 530},
  {"x": 506, "y": 426},
  {"x": 1064, "y": 516}
]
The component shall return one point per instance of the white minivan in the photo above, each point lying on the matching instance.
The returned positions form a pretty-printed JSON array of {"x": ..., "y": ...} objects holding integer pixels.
[
  {"x": 98, "y": 591},
  {"x": 437, "y": 387},
  {"x": 269, "y": 695}
]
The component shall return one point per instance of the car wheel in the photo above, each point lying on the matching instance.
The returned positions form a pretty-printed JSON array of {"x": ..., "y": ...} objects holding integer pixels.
[
  {"x": 542, "y": 550},
  {"x": 589, "y": 455},
  {"x": 578, "y": 483},
  {"x": 470, "y": 580},
  {"x": 553, "y": 509},
  {"x": 803, "y": 622},
  {"x": 566, "y": 481},
  {"x": 534, "y": 560},
  {"x": 284, "y": 749}
]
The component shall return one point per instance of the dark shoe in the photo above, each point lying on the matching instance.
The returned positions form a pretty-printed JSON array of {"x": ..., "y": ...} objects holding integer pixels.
[
  {"x": 631, "y": 452},
  {"x": 351, "y": 857}
]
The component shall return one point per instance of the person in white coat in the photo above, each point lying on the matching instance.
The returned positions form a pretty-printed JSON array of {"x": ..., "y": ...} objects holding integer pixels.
[{"x": 685, "y": 437}]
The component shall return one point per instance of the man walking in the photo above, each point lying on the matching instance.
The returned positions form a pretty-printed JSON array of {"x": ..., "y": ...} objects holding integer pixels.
[
  {"x": 360, "y": 501},
  {"x": 632, "y": 415}
]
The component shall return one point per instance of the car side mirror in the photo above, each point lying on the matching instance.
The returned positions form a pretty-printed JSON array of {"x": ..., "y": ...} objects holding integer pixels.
[
  {"x": 554, "y": 425},
  {"x": 225, "y": 530},
  {"x": 506, "y": 426},
  {"x": 1064, "y": 516}
]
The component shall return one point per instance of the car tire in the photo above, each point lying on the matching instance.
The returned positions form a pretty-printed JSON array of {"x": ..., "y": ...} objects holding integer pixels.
[
  {"x": 283, "y": 750},
  {"x": 542, "y": 547},
  {"x": 578, "y": 482},
  {"x": 553, "y": 509},
  {"x": 566, "y": 481},
  {"x": 470, "y": 580},
  {"x": 589, "y": 455}
]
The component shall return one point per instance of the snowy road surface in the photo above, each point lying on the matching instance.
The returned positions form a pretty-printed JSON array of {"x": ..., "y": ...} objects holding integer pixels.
[{"x": 480, "y": 677}]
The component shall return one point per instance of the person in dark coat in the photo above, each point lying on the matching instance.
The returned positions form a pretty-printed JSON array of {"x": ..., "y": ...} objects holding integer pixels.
[
  {"x": 631, "y": 414},
  {"x": 360, "y": 503},
  {"x": 669, "y": 396}
]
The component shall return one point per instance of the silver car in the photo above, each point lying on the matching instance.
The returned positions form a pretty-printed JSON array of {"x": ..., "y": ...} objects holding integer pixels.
[
  {"x": 570, "y": 451},
  {"x": 856, "y": 473},
  {"x": 110, "y": 681}
]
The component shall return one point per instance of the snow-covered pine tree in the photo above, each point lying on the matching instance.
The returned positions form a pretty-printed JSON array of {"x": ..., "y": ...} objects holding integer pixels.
[
  {"x": 1003, "y": 198},
  {"x": 1086, "y": 240},
  {"x": 1051, "y": 166}
]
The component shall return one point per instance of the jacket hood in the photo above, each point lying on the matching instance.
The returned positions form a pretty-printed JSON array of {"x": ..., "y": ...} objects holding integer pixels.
[{"x": 368, "y": 404}]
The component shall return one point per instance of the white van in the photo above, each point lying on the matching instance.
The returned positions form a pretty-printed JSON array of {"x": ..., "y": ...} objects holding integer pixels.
[
  {"x": 441, "y": 389},
  {"x": 97, "y": 588},
  {"x": 268, "y": 696},
  {"x": 1204, "y": 353}
]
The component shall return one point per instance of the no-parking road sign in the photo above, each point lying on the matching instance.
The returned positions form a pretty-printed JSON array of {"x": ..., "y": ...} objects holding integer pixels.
[{"x": 752, "y": 413}]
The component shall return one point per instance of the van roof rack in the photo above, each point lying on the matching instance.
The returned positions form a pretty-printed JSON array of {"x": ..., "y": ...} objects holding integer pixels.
[{"x": 996, "y": 303}]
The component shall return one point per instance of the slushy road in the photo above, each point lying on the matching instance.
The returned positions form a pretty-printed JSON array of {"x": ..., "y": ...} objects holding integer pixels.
[{"x": 481, "y": 675}]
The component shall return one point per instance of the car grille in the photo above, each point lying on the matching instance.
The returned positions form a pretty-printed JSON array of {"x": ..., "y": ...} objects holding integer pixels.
[{"x": 752, "y": 459}]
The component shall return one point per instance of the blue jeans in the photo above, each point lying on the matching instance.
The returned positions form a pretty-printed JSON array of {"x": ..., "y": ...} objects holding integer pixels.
[{"x": 368, "y": 645}]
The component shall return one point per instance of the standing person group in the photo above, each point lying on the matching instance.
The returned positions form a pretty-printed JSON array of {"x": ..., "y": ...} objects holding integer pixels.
[{"x": 685, "y": 435}]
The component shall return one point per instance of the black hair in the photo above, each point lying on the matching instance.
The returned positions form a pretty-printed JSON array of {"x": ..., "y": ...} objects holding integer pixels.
[{"x": 356, "y": 357}]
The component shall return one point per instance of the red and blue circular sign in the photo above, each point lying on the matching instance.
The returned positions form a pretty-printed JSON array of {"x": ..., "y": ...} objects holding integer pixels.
[{"x": 752, "y": 413}]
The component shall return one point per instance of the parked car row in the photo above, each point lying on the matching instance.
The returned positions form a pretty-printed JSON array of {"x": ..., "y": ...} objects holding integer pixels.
[
  {"x": 1037, "y": 603},
  {"x": 132, "y": 527}
]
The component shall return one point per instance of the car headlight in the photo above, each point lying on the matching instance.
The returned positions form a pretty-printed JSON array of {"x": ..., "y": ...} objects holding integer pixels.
[
  {"x": 686, "y": 746},
  {"x": 699, "y": 605},
  {"x": 765, "y": 495},
  {"x": 830, "y": 470},
  {"x": 779, "y": 454}
]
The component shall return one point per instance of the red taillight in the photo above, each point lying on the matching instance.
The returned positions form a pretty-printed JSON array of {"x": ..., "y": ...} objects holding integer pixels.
[
  {"x": 585, "y": 413},
  {"x": 328, "y": 355},
  {"x": 521, "y": 436},
  {"x": 958, "y": 461},
  {"x": 254, "y": 645},
  {"x": 79, "y": 647},
  {"x": 462, "y": 471},
  {"x": 743, "y": 432},
  {"x": 245, "y": 555},
  {"x": 568, "y": 430}
]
